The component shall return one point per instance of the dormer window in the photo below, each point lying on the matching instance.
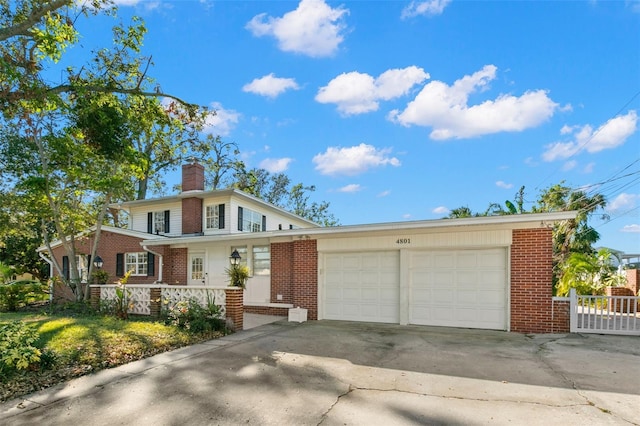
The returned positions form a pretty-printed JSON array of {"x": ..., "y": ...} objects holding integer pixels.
[
  {"x": 158, "y": 222},
  {"x": 214, "y": 216},
  {"x": 251, "y": 221}
]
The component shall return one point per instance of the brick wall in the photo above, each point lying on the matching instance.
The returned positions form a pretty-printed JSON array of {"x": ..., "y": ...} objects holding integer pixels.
[
  {"x": 191, "y": 215},
  {"x": 633, "y": 280},
  {"x": 560, "y": 316},
  {"x": 176, "y": 267},
  {"x": 531, "y": 281},
  {"x": 110, "y": 244},
  {"x": 281, "y": 272},
  {"x": 305, "y": 277}
]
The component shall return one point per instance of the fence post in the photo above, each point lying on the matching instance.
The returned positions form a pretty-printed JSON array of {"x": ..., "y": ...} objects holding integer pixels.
[
  {"x": 95, "y": 296},
  {"x": 573, "y": 305}
]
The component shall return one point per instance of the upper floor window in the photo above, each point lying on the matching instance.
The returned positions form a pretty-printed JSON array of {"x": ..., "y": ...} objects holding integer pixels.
[
  {"x": 251, "y": 221},
  {"x": 158, "y": 222},
  {"x": 214, "y": 216}
]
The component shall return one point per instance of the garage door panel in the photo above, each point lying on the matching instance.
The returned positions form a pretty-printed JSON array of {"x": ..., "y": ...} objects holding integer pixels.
[
  {"x": 370, "y": 286},
  {"x": 459, "y": 288}
]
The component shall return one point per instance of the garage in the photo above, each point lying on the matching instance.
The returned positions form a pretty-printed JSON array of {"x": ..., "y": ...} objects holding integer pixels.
[
  {"x": 459, "y": 288},
  {"x": 449, "y": 287},
  {"x": 362, "y": 286}
]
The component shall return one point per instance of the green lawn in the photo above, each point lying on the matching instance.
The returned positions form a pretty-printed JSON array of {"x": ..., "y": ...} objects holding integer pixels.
[{"x": 84, "y": 343}]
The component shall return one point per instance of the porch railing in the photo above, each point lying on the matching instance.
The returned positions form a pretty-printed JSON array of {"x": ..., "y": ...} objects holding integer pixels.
[{"x": 142, "y": 296}]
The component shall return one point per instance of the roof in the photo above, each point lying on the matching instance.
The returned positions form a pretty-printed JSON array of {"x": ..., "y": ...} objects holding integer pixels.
[
  {"x": 527, "y": 220},
  {"x": 103, "y": 228}
]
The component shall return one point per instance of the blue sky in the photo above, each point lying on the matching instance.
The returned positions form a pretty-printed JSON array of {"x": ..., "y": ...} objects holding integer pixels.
[{"x": 404, "y": 110}]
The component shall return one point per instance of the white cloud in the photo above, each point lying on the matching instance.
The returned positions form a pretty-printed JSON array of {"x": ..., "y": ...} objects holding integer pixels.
[
  {"x": 353, "y": 187},
  {"x": 609, "y": 135},
  {"x": 427, "y": 8},
  {"x": 623, "y": 201},
  {"x": 353, "y": 160},
  {"x": 358, "y": 93},
  {"x": 445, "y": 109},
  {"x": 313, "y": 29},
  {"x": 270, "y": 86},
  {"x": 384, "y": 193},
  {"x": 441, "y": 210},
  {"x": 275, "y": 165},
  {"x": 222, "y": 122},
  {"x": 635, "y": 228},
  {"x": 569, "y": 165},
  {"x": 504, "y": 185},
  {"x": 588, "y": 168}
]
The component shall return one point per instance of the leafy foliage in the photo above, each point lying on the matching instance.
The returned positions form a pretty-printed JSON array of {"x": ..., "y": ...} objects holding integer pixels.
[
  {"x": 191, "y": 316},
  {"x": 588, "y": 273},
  {"x": 20, "y": 293},
  {"x": 17, "y": 347},
  {"x": 238, "y": 275}
]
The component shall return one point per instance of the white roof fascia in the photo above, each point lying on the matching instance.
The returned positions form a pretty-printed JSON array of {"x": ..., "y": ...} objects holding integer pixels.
[{"x": 536, "y": 219}]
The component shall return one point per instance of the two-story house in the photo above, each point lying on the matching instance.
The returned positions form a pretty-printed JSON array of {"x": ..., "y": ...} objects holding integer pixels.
[{"x": 484, "y": 272}]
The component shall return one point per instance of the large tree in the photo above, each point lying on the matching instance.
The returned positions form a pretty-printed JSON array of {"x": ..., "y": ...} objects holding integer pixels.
[{"x": 68, "y": 147}]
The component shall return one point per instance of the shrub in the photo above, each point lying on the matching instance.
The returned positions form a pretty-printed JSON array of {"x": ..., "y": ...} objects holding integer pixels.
[
  {"x": 17, "y": 347},
  {"x": 189, "y": 315},
  {"x": 20, "y": 293}
]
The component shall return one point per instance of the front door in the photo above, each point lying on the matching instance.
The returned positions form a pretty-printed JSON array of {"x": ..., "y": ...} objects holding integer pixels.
[{"x": 196, "y": 269}]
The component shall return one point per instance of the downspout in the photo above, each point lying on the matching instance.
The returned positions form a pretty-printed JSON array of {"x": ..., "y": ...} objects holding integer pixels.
[
  {"x": 145, "y": 248},
  {"x": 50, "y": 262}
]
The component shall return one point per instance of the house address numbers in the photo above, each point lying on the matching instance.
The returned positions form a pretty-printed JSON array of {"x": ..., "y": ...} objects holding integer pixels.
[{"x": 403, "y": 241}]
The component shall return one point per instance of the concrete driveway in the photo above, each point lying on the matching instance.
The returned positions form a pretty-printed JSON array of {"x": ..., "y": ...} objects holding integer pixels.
[{"x": 341, "y": 373}]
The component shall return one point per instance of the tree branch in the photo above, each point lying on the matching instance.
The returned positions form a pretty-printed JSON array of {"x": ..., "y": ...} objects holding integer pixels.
[{"x": 35, "y": 17}]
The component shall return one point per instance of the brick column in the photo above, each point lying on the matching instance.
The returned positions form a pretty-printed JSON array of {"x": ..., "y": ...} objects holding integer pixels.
[
  {"x": 234, "y": 306},
  {"x": 95, "y": 297},
  {"x": 156, "y": 302},
  {"x": 305, "y": 277},
  {"x": 531, "y": 280},
  {"x": 633, "y": 280}
]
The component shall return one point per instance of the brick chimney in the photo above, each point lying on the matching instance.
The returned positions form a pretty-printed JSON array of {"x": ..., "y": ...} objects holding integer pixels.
[
  {"x": 192, "y": 177},
  {"x": 192, "y": 180}
]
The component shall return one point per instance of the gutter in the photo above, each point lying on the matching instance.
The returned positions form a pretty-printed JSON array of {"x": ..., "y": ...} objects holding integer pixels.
[
  {"x": 145, "y": 248},
  {"x": 50, "y": 262}
]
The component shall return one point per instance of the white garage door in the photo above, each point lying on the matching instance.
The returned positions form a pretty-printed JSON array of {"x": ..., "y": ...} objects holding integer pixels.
[
  {"x": 462, "y": 288},
  {"x": 362, "y": 286}
]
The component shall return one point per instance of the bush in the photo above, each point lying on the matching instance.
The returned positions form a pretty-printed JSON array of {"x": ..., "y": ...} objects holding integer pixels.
[
  {"x": 17, "y": 347},
  {"x": 189, "y": 315},
  {"x": 20, "y": 293}
]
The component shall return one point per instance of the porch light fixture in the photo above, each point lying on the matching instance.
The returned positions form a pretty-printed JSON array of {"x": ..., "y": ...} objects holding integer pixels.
[
  {"x": 234, "y": 258},
  {"x": 97, "y": 262}
]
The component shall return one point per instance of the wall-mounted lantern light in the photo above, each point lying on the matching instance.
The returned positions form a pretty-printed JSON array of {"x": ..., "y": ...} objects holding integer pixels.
[
  {"x": 234, "y": 258},
  {"x": 97, "y": 262}
]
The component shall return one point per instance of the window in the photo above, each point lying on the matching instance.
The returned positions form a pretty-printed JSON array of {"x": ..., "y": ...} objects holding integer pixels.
[
  {"x": 261, "y": 260},
  {"x": 136, "y": 262},
  {"x": 158, "y": 222},
  {"x": 250, "y": 221},
  {"x": 214, "y": 216}
]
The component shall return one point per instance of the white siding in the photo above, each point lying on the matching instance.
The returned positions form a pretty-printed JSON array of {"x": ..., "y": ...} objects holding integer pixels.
[{"x": 139, "y": 217}]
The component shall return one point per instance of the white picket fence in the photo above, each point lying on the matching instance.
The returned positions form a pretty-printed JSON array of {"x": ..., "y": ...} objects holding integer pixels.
[
  {"x": 139, "y": 296},
  {"x": 604, "y": 314}
]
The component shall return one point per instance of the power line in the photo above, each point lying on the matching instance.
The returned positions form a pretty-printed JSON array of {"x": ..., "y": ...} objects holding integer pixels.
[{"x": 590, "y": 138}]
